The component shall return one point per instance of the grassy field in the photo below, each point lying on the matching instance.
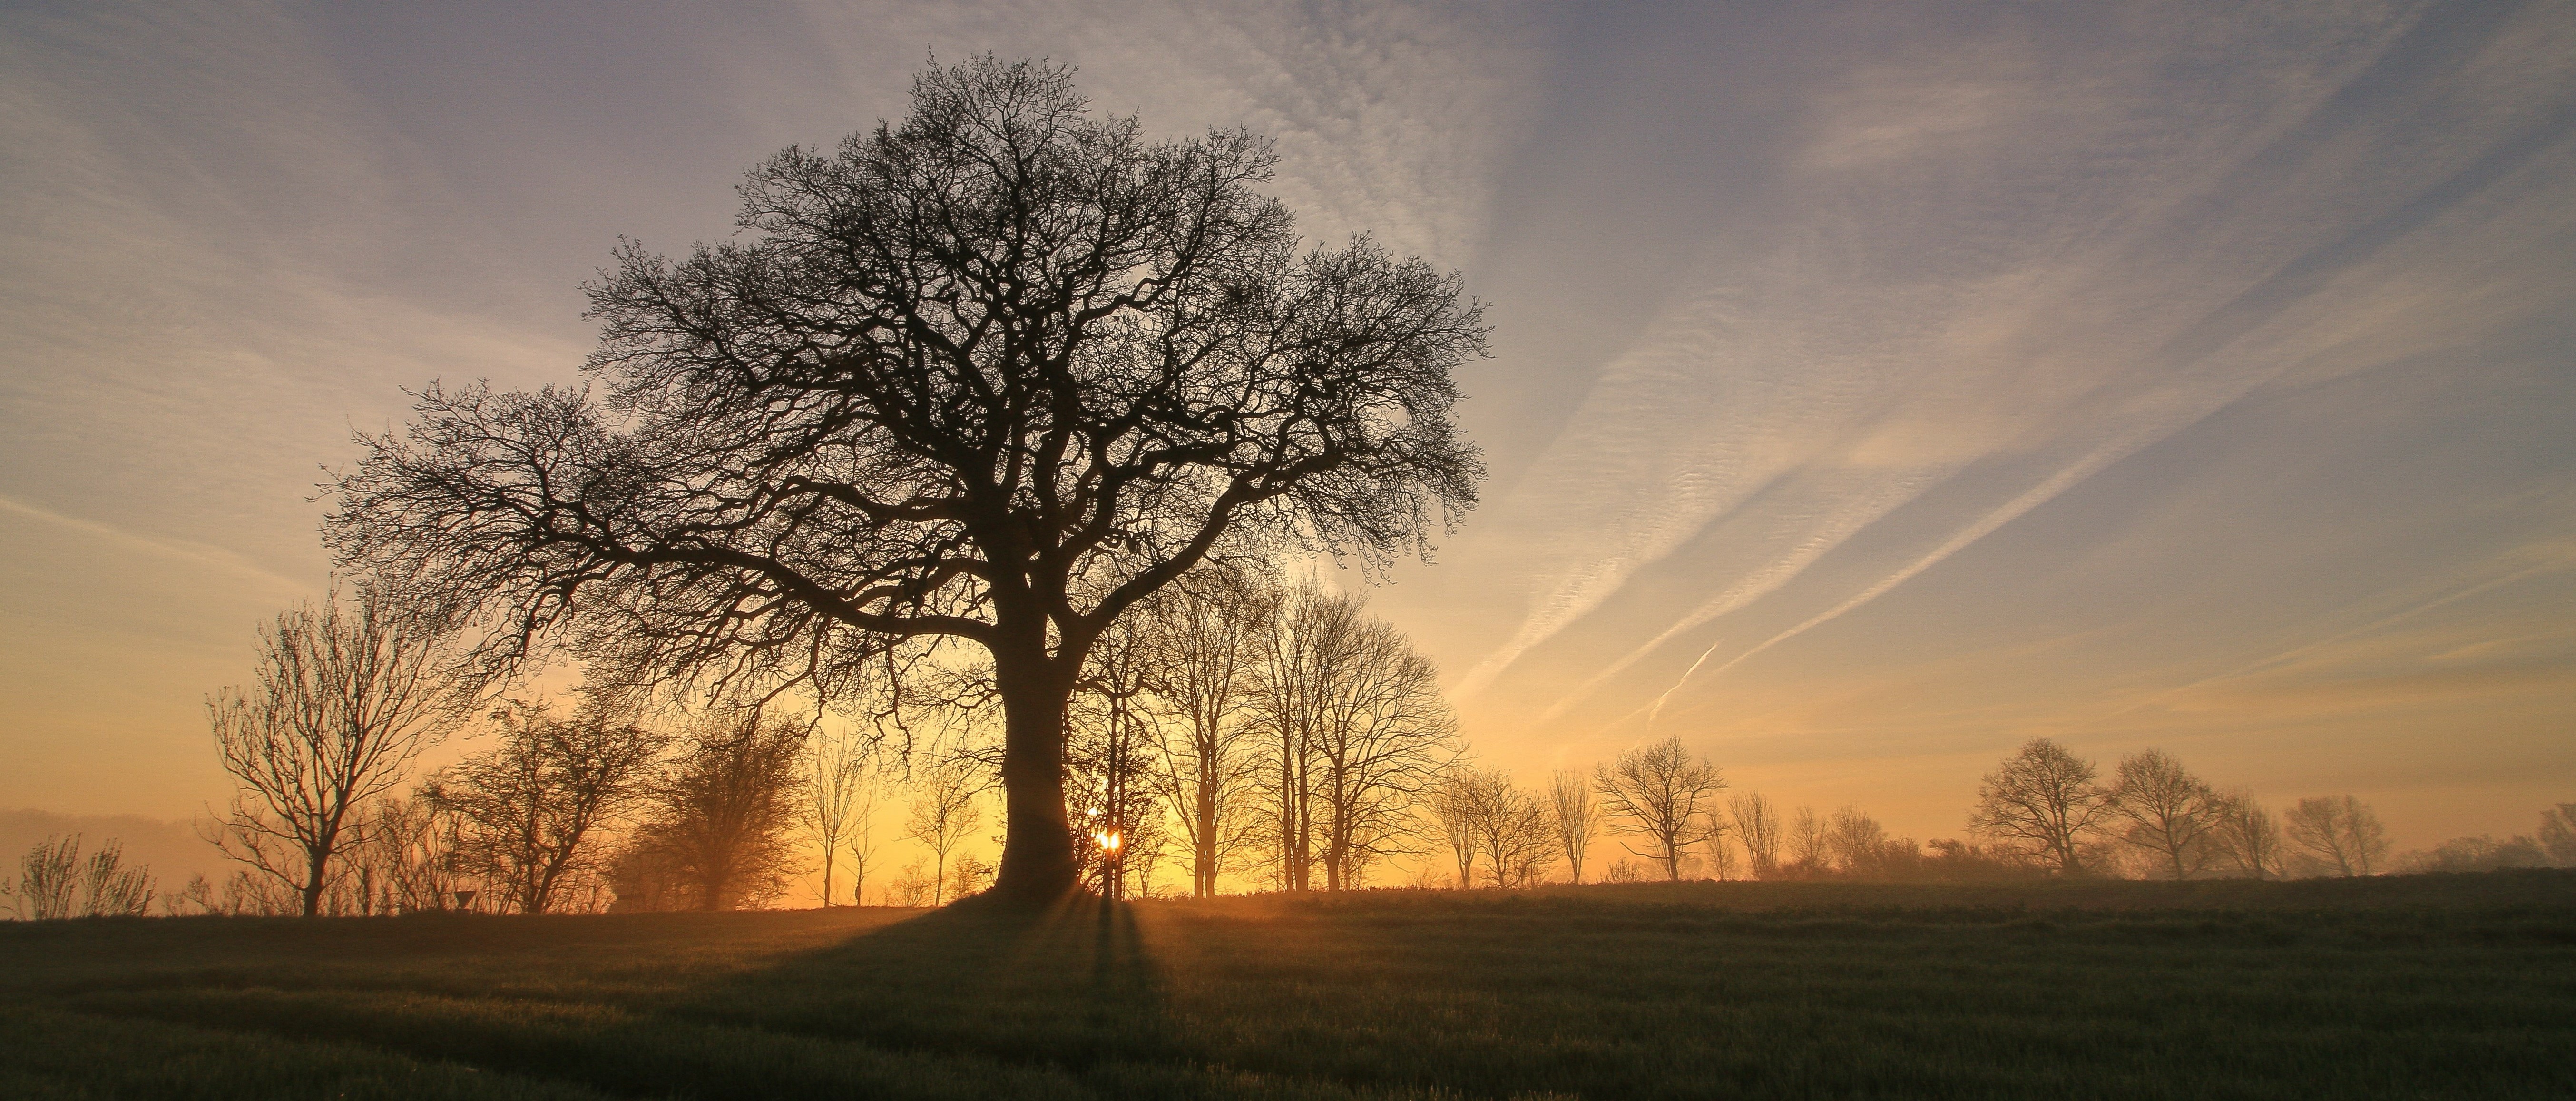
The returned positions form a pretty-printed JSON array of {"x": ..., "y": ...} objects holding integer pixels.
[{"x": 2433, "y": 986}]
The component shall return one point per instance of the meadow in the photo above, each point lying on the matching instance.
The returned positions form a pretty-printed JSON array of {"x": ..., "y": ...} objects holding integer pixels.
[{"x": 2407, "y": 987}]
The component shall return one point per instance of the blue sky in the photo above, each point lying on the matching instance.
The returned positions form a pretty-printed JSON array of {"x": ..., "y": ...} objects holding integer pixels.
[{"x": 1876, "y": 386}]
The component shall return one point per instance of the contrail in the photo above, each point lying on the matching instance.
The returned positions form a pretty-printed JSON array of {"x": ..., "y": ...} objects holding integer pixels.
[
  {"x": 188, "y": 551},
  {"x": 2030, "y": 499},
  {"x": 2294, "y": 652},
  {"x": 1658, "y": 707},
  {"x": 1815, "y": 542}
]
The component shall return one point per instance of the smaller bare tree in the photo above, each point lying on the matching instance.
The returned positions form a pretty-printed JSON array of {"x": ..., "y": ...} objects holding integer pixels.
[
  {"x": 534, "y": 806},
  {"x": 971, "y": 875},
  {"x": 1661, "y": 793},
  {"x": 2042, "y": 800},
  {"x": 1113, "y": 763},
  {"x": 2171, "y": 813},
  {"x": 110, "y": 889},
  {"x": 1382, "y": 733},
  {"x": 1855, "y": 840},
  {"x": 2337, "y": 835},
  {"x": 1457, "y": 810},
  {"x": 197, "y": 897},
  {"x": 1722, "y": 862},
  {"x": 54, "y": 881},
  {"x": 1757, "y": 828},
  {"x": 911, "y": 888},
  {"x": 1575, "y": 815},
  {"x": 1207, "y": 630},
  {"x": 1515, "y": 833},
  {"x": 837, "y": 796},
  {"x": 1810, "y": 846},
  {"x": 716, "y": 837},
  {"x": 346, "y": 698},
  {"x": 861, "y": 844},
  {"x": 417, "y": 847},
  {"x": 2247, "y": 835},
  {"x": 48, "y": 875},
  {"x": 942, "y": 816}
]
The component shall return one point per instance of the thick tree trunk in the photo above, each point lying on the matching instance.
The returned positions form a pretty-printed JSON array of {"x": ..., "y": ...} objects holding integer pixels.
[
  {"x": 1037, "y": 843},
  {"x": 313, "y": 882}
]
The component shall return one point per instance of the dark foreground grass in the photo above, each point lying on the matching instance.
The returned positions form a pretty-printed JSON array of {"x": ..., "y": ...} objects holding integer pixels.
[{"x": 2459, "y": 986}]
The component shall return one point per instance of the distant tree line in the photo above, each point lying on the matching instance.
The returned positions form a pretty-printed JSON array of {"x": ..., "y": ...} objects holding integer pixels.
[
  {"x": 1235, "y": 730},
  {"x": 2042, "y": 812}
]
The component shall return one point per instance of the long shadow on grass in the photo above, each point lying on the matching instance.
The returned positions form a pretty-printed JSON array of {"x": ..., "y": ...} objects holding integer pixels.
[
  {"x": 1069, "y": 987},
  {"x": 1069, "y": 996}
]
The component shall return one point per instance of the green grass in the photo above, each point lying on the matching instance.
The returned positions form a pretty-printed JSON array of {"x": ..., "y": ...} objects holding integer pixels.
[{"x": 2435, "y": 986}]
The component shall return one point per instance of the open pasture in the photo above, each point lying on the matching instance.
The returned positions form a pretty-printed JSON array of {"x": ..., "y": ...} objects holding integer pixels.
[{"x": 2415, "y": 987}]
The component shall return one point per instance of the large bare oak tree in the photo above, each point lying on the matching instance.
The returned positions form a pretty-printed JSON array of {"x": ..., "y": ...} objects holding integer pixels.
[{"x": 993, "y": 375}]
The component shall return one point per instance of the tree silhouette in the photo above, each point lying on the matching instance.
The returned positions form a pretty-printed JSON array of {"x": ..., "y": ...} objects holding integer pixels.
[
  {"x": 942, "y": 816},
  {"x": 1757, "y": 826},
  {"x": 2558, "y": 834},
  {"x": 2042, "y": 799},
  {"x": 716, "y": 837},
  {"x": 1207, "y": 630},
  {"x": 535, "y": 806},
  {"x": 1363, "y": 734},
  {"x": 2249, "y": 835},
  {"x": 1576, "y": 816},
  {"x": 992, "y": 376},
  {"x": 2336, "y": 835},
  {"x": 2172, "y": 813},
  {"x": 839, "y": 797},
  {"x": 346, "y": 698},
  {"x": 1455, "y": 802},
  {"x": 1665, "y": 795},
  {"x": 1112, "y": 751},
  {"x": 1518, "y": 835}
]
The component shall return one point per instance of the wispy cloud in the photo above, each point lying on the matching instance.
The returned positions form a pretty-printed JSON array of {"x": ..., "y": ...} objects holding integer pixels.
[
  {"x": 2554, "y": 560},
  {"x": 1960, "y": 288},
  {"x": 1389, "y": 118},
  {"x": 194, "y": 553}
]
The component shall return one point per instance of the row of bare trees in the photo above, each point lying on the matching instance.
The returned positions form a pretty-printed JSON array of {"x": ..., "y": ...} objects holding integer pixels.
[
  {"x": 1273, "y": 732},
  {"x": 2053, "y": 808},
  {"x": 2552, "y": 845},
  {"x": 2043, "y": 811},
  {"x": 1659, "y": 796},
  {"x": 1264, "y": 730},
  {"x": 1249, "y": 728},
  {"x": 559, "y": 811},
  {"x": 1661, "y": 804},
  {"x": 55, "y": 881}
]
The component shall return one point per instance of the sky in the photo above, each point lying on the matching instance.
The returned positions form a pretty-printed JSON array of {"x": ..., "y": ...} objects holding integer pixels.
[{"x": 1875, "y": 387}]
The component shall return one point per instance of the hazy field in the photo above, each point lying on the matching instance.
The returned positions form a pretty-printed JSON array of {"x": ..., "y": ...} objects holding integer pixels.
[{"x": 2416, "y": 987}]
